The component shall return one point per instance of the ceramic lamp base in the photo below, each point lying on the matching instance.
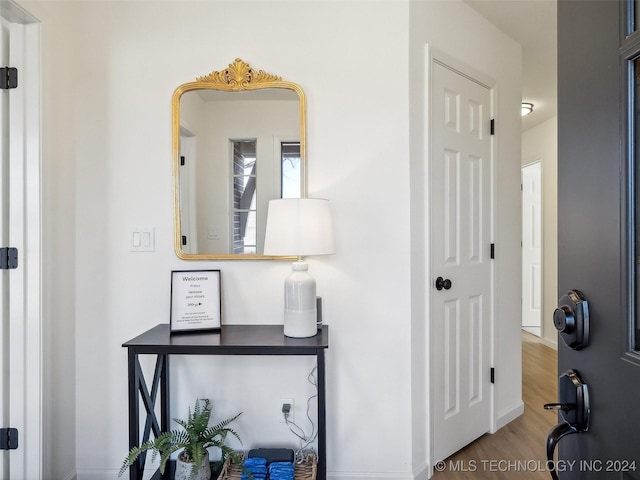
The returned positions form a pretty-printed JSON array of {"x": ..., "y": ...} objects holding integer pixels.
[
  {"x": 300, "y": 324},
  {"x": 300, "y": 313}
]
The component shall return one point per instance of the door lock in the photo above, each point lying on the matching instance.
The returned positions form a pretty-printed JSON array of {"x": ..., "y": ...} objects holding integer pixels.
[
  {"x": 443, "y": 283},
  {"x": 571, "y": 319},
  {"x": 574, "y": 409}
]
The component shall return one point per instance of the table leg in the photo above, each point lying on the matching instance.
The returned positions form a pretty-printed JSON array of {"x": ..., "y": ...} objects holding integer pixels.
[
  {"x": 134, "y": 409},
  {"x": 138, "y": 389},
  {"x": 322, "y": 418},
  {"x": 164, "y": 396},
  {"x": 165, "y": 407}
]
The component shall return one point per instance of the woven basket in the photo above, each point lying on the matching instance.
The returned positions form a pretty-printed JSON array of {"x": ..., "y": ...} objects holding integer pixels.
[{"x": 307, "y": 469}]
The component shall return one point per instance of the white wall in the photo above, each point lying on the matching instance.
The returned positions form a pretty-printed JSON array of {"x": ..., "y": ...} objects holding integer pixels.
[
  {"x": 108, "y": 74},
  {"x": 107, "y": 123},
  {"x": 540, "y": 143},
  {"x": 59, "y": 204}
]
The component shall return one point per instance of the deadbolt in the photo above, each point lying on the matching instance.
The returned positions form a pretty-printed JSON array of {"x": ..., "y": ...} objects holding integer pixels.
[{"x": 571, "y": 319}]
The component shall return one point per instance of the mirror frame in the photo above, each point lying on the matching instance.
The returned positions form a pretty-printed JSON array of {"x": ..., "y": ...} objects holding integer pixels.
[{"x": 238, "y": 77}]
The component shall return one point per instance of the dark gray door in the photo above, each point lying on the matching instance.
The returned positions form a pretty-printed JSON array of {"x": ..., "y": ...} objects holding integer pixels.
[{"x": 597, "y": 191}]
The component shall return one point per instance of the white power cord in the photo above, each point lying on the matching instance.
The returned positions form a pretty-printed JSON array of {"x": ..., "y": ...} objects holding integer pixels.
[{"x": 298, "y": 431}]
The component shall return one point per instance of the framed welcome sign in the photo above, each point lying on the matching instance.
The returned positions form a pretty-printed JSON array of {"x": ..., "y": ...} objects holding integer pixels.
[{"x": 195, "y": 300}]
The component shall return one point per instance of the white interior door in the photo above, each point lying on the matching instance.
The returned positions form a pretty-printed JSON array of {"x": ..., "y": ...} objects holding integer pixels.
[
  {"x": 532, "y": 248},
  {"x": 461, "y": 202}
]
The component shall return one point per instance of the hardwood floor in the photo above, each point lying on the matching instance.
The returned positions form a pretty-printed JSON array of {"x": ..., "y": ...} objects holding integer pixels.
[{"x": 518, "y": 449}]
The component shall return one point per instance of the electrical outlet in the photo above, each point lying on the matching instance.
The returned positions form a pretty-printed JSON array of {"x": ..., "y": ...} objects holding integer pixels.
[{"x": 291, "y": 402}]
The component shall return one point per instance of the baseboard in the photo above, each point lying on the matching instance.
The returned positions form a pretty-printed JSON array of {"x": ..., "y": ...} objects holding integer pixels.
[
  {"x": 549, "y": 343},
  {"x": 535, "y": 331},
  {"x": 509, "y": 415},
  {"x": 422, "y": 472},
  {"x": 369, "y": 476}
]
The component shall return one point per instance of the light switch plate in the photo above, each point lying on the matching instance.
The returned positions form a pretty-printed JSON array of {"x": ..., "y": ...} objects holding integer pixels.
[{"x": 142, "y": 239}]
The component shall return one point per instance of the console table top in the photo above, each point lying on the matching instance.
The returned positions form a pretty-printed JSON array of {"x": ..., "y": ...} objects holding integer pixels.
[{"x": 250, "y": 339}]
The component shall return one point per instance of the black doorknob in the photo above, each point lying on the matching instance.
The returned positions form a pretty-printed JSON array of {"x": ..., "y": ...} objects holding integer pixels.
[{"x": 443, "y": 283}]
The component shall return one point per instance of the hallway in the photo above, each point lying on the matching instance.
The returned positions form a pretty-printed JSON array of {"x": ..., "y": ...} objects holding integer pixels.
[{"x": 518, "y": 449}]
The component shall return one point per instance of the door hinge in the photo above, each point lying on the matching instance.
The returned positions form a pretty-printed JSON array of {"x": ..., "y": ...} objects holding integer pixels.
[
  {"x": 184, "y": 240},
  {"x": 8, "y": 78},
  {"x": 182, "y": 160},
  {"x": 493, "y": 375},
  {"x": 493, "y": 250},
  {"x": 8, "y": 438},
  {"x": 493, "y": 126},
  {"x": 8, "y": 258}
]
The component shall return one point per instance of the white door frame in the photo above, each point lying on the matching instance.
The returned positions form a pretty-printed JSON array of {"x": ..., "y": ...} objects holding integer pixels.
[
  {"x": 25, "y": 318},
  {"x": 433, "y": 55}
]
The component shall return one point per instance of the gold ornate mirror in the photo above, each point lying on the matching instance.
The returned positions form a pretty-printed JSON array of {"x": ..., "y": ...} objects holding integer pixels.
[{"x": 239, "y": 140}]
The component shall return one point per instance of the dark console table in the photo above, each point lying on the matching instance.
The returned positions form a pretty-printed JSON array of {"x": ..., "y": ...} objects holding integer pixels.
[{"x": 230, "y": 340}]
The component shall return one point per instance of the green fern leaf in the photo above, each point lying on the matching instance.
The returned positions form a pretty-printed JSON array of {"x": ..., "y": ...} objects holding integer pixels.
[{"x": 195, "y": 437}]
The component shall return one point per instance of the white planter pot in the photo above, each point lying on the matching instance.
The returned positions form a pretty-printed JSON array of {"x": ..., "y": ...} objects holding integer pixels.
[{"x": 183, "y": 470}]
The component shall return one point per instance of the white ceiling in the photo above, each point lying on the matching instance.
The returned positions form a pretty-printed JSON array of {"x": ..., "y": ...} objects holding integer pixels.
[{"x": 533, "y": 24}]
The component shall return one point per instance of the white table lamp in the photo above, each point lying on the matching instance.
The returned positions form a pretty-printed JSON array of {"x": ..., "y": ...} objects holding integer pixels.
[{"x": 299, "y": 227}]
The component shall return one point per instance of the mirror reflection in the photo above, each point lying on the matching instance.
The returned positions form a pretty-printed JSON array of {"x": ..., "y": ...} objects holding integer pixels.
[{"x": 239, "y": 141}]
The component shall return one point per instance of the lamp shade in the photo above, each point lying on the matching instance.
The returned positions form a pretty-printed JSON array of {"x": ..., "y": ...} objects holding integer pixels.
[{"x": 299, "y": 227}]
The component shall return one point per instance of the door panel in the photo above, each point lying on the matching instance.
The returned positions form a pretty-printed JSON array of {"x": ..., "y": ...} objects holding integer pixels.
[
  {"x": 460, "y": 245},
  {"x": 531, "y": 247},
  {"x": 593, "y": 252}
]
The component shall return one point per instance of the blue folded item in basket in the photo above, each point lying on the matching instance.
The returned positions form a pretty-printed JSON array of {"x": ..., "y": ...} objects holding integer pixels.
[
  {"x": 258, "y": 461},
  {"x": 262, "y": 470},
  {"x": 284, "y": 465},
  {"x": 281, "y": 471},
  {"x": 281, "y": 476},
  {"x": 257, "y": 467}
]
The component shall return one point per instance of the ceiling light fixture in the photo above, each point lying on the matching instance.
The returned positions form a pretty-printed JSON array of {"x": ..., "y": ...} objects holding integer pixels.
[{"x": 527, "y": 108}]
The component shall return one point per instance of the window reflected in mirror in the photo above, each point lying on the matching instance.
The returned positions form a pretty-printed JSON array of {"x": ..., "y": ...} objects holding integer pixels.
[
  {"x": 244, "y": 196},
  {"x": 291, "y": 180}
]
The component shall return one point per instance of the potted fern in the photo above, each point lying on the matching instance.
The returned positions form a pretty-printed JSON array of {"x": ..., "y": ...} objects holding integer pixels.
[{"x": 194, "y": 439}]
